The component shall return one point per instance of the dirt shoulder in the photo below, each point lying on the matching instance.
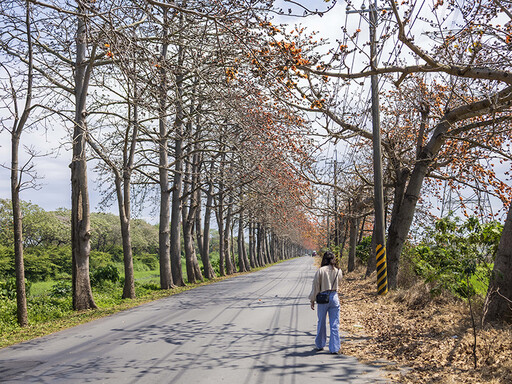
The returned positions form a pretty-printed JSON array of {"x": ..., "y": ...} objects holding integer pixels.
[{"x": 424, "y": 339}]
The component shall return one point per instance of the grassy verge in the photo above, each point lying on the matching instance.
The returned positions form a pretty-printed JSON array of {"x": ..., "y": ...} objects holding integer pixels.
[{"x": 49, "y": 314}]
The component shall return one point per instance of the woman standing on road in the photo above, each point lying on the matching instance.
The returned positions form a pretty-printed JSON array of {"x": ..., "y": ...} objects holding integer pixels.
[{"x": 326, "y": 279}]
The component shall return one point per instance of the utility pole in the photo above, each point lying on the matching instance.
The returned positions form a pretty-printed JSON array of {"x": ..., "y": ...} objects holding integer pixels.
[
  {"x": 336, "y": 215},
  {"x": 379, "y": 232},
  {"x": 328, "y": 223}
]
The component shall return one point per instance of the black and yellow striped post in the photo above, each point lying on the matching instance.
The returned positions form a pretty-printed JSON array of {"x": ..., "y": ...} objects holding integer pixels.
[{"x": 382, "y": 270}]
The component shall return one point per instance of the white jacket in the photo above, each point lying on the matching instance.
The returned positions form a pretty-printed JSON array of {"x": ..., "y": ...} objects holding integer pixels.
[{"x": 324, "y": 280}]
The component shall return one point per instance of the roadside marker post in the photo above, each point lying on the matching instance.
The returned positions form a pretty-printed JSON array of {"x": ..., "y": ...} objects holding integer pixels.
[{"x": 382, "y": 275}]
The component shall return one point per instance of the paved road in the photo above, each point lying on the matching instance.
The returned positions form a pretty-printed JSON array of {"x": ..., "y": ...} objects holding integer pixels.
[{"x": 257, "y": 328}]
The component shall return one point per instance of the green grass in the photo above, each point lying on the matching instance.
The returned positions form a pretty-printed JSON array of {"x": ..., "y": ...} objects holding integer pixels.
[{"x": 40, "y": 288}]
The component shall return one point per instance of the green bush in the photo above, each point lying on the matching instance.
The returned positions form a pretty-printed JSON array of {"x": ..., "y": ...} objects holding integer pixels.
[
  {"x": 43, "y": 263},
  {"x": 8, "y": 288},
  {"x": 214, "y": 260},
  {"x": 139, "y": 266},
  {"x": 453, "y": 252},
  {"x": 364, "y": 249},
  {"x": 44, "y": 308},
  {"x": 6, "y": 261},
  {"x": 107, "y": 273},
  {"x": 150, "y": 260},
  {"x": 142, "y": 289},
  {"x": 61, "y": 289},
  {"x": 116, "y": 252},
  {"x": 99, "y": 259},
  {"x": 8, "y": 316}
]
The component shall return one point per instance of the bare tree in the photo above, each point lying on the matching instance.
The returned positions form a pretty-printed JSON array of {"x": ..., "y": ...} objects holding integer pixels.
[{"x": 19, "y": 123}]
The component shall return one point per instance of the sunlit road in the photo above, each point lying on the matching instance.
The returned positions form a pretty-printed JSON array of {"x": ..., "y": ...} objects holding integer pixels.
[{"x": 256, "y": 328}]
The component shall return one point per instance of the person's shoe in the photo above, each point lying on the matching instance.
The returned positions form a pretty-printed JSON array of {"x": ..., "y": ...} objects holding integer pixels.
[{"x": 319, "y": 349}]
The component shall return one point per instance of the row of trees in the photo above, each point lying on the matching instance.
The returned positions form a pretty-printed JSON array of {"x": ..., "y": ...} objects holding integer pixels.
[
  {"x": 207, "y": 104},
  {"x": 445, "y": 115},
  {"x": 163, "y": 96}
]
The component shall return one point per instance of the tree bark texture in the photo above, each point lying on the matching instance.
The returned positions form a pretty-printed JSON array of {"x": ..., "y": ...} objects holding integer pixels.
[
  {"x": 177, "y": 274},
  {"x": 189, "y": 214},
  {"x": 243, "y": 264},
  {"x": 19, "y": 267},
  {"x": 227, "y": 238},
  {"x": 354, "y": 227},
  {"x": 206, "y": 235},
  {"x": 252, "y": 245},
  {"x": 123, "y": 199},
  {"x": 498, "y": 302},
  {"x": 80, "y": 210}
]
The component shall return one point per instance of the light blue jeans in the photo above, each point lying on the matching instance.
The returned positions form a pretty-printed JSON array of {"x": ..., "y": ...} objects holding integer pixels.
[{"x": 333, "y": 308}]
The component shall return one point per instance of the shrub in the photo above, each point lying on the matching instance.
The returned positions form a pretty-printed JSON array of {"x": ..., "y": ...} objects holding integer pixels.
[
  {"x": 8, "y": 288},
  {"x": 453, "y": 252},
  {"x": 364, "y": 249},
  {"x": 140, "y": 266},
  {"x": 8, "y": 316},
  {"x": 106, "y": 273},
  {"x": 214, "y": 260},
  {"x": 6, "y": 261},
  {"x": 142, "y": 289},
  {"x": 99, "y": 259},
  {"x": 43, "y": 263},
  {"x": 116, "y": 252},
  {"x": 44, "y": 308},
  {"x": 150, "y": 260},
  {"x": 61, "y": 289}
]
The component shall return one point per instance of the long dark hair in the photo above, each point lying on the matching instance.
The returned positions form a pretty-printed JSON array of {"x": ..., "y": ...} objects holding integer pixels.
[{"x": 328, "y": 259}]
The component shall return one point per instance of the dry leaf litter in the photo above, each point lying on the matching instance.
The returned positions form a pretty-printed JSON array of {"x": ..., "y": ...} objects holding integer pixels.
[{"x": 423, "y": 339}]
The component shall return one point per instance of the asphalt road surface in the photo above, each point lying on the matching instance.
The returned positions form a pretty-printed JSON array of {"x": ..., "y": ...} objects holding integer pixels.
[{"x": 257, "y": 328}]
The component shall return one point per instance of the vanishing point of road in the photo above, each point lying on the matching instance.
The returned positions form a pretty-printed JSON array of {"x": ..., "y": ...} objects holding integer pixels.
[{"x": 250, "y": 329}]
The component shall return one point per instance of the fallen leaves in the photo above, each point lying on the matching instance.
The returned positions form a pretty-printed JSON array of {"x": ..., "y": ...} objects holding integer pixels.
[{"x": 429, "y": 339}]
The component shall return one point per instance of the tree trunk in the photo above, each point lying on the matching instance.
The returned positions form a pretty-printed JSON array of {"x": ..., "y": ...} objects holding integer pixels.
[
  {"x": 192, "y": 266},
  {"x": 354, "y": 227},
  {"x": 206, "y": 235},
  {"x": 219, "y": 213},
  {"x": 80, "y": 211},
  {"x": 401, "y": 221},
  {"x": 252, "y": 246},
  {"x": 123, "y": 198},
  {"x": 203, "y": 236},
  {"x": 17, "y": 129},
  {"x": 260, "y": 246},
  {"x": 177, "y": 274},
  {"x": 267, "y": 256},
  {"x": 227, "y": 238},
  {"x": 361, "y": 231},
  {"x": 164, "y": 246},
  {"x": 372, "y": 258},
  {"x": 242, "y": 265},
  {"x": 498, "y": 302},
  {"x": 21, "y": 297}
]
